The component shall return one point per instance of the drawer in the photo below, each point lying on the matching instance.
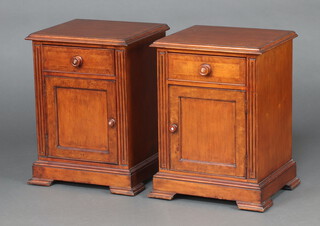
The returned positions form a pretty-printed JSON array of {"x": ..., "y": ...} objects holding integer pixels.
[
  {"x": 206, "y": 68},
  {"x": 78, "y": 60}
]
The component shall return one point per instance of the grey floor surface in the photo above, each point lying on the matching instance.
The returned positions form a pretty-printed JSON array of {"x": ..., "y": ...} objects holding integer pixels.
[{"x": 79, "y": 204}]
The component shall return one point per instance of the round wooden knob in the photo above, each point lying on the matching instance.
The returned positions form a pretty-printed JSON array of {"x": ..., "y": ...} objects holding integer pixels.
[
  {"x": 205, "y": 69},
  {"x": 112, "y": 122},
  {"x": 173, "y": 128},
  {"x": 76, "y": 61}
]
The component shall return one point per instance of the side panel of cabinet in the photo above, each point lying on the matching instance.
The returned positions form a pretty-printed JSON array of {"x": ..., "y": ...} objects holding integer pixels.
[
  {"x": 210, "y": 135},
  {"x": 274, "y": 112},
  {"x": 78, "y": 112}
]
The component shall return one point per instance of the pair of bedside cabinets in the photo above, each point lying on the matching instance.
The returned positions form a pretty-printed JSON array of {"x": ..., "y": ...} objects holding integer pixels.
[{"x": 216, "y": 102}]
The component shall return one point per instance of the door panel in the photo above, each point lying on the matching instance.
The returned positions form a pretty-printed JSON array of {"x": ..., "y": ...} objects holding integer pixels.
[
  {"x": 210, "y": 137},
  {"x": 91, "y": 133},
  {"x": 78, "y": 113}
]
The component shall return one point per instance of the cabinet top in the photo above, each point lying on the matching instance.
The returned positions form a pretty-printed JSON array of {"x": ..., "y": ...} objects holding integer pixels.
[
  {"x": 225, "y": 39},
  {"x": 117, "y": 33}
]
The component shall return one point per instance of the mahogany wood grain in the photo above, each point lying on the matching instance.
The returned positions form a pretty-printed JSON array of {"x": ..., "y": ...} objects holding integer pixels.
[
  {"x": 98, "y": 32},
  {"x": 232, "y": 138},
  {"x": 142, "y": 99},
  {"x": 95, "y": 85},
  {"x": 259, "y": 207},
  {"x": 78, "y": 111},
  {"x": 205, "y": 118},
  {"x": 94, "y": 61},
  {"x": 41, "y": 182},
  {"x": 223, "y": 69},
  {"x": 292, "y": 184},
  {"x": 274, "y": 133},
  {"x": 225, "y": 39}
]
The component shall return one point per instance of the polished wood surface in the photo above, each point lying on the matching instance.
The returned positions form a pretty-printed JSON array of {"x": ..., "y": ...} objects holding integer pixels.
[
  {"x": 114, "y": 33},
  {"x": 205, "y": 117},
  {"x": 225, "y": 137},
  {"x": 214, "y": 68},
  {"x": 78, "y": 111},
  {"x": 142, "y": 96},
  {"x": 96, "y": 104},
  {"x": 226, "y": 39},
  {"x": 78, "y": 60},
  {"x": 275, "y": 116}
]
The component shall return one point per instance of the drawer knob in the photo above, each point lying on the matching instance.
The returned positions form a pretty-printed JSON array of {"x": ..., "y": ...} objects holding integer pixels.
[
  {"x": 173, "y": 128},
  {"x": 76, "y": 61},
  {"x": 112, "y": 122},
  {"x": 205, "y": 69}
]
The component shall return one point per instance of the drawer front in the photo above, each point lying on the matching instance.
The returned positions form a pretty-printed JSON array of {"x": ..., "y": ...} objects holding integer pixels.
[
  {"x": 205, "y": 68},
  {"x": 78, "y": 60}
]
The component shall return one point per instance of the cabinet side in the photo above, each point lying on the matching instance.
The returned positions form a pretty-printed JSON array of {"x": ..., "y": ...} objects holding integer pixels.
[
  {"x": 142, "y": 102},
  {"x": 274, "y": 109}
]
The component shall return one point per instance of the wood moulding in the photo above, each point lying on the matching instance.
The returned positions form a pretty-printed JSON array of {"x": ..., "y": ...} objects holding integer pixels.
[
  {"x": 122, "y": 101},
  {"x": 162, "y": 106},
  {"x": 40, "y": 100},
  {"x": 248, "y": 195},
  {"x": 120, "y": 181}
]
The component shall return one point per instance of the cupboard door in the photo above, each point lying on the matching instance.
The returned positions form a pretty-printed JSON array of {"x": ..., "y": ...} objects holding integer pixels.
[
  {"x": 81, "y": 119},
  {"x": 207, "y": 130}
]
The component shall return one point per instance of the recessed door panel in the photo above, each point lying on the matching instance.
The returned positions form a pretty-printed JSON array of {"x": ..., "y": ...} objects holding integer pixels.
[
  {"x": 84, "y": 125},
  {"x": 79, "y": 114},
  {"x": 210, "y": 130}
]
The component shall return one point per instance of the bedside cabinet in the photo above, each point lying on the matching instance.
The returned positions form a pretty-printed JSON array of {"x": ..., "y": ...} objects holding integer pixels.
[
  {"x": 225, "y": 115},
  {"x": 95, "y": 85}
]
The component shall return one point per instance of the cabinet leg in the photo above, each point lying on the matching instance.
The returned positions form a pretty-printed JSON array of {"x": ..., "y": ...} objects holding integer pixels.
[
  {"x": 40, "y": 181},
  {"x": 292, "y": 184},
  {"x": 259, "y": 207},
  {"x": 161, "y": 195},
  {"x": 127, "y": 191}
]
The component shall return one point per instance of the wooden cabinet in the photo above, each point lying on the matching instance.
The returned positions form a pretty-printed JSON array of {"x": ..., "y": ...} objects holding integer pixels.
[
  {"x": 95, "y": 84},
  {"x": 225, "y": 112}
]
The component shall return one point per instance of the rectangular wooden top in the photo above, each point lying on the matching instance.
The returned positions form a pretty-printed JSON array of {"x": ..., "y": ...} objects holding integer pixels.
[
  {"x": 103, "y": 32},
  {"x": 225, "y": 39}
]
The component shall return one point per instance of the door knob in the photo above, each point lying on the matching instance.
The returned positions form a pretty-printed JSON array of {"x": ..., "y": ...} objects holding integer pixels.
[
  {"x": 173, "y": 128},
  {"x": 112, "y": 122},
  {"x": 205, "y": 69},
  {"x": 76, "y": 61}
]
